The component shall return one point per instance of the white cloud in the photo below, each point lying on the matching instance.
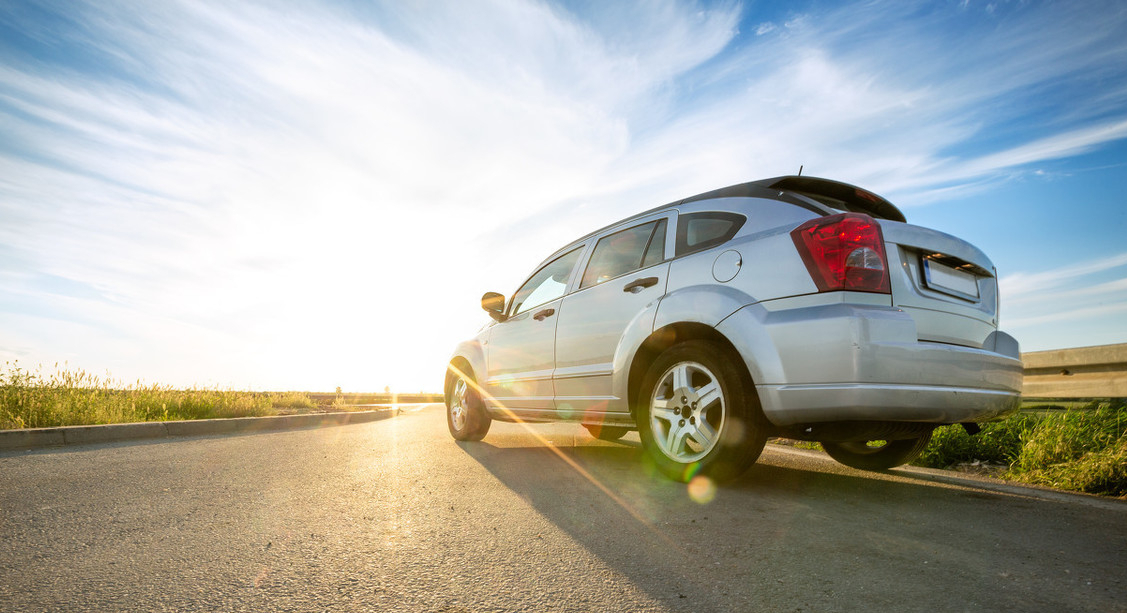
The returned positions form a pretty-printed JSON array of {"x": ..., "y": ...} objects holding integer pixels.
[
  {"x": 276, "y": 196},
  {"x": 283, "y": 191},
  {"x": 908, "y": 98},
  {"x": 1078, "y": 304},
  {"x": 1017, "y": 286},
  {"x": 1069, "y": 337}
]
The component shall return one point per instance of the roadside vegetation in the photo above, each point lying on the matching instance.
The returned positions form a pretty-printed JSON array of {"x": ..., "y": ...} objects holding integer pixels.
[
  {"x": 1080, "y": 449},
  {"x": 1075, "y": 446},
  {"x": 71, "y": 398}
]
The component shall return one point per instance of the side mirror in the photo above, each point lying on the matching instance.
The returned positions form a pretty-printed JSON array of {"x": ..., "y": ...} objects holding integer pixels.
[{"x": 494, "y": 304}]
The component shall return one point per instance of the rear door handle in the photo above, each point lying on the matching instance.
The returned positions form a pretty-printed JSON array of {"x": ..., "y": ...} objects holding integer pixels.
[
  {"x": 640, "y": 284},
  {"x": 542, "y": 315}
]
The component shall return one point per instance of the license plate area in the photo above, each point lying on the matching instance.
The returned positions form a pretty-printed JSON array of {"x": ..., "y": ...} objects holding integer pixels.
[{"x": 950, "y": 280}]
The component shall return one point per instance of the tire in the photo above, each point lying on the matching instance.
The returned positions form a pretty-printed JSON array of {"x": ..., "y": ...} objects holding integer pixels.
[
  {"x": 465, "y": 412},
  {"x": 725, "y": 429},
  {"x": 606, "y": 433},
  {"x": 877, "y": 457}
]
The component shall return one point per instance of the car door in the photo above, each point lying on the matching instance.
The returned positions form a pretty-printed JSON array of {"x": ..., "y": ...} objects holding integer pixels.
[
  {"x": 520, "y": 351},
  {"x": 626, "y": 272}
]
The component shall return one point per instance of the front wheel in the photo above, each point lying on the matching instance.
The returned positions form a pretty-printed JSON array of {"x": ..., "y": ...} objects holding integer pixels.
[
  {"x": 700, "y": 414},
  {"x": 877, "y": 455},
  {"x": 465, "y": 412}
]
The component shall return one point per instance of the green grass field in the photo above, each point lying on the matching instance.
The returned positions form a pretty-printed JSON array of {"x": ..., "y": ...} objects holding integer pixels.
[{"x": 72, "y": 398}]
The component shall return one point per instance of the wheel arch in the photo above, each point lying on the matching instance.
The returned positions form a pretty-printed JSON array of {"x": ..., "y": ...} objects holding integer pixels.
[
  {"x": 668, "y": 336},
  {"x": 468, "y": 357}
]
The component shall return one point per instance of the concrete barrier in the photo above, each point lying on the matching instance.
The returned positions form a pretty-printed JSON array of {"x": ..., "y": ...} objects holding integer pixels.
[
  {"x": 1086, "y": 372},
  {"x": 85, "y": 435}
]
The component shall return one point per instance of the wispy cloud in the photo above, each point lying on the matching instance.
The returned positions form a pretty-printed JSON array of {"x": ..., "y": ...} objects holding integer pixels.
[
  {"x": 1070, "y": 315},
  {"x": 247, "y": 184},
  {"x": 1073, "y": 305},
  {"x": 282, "y": 184},
  {"x": 1017, "y": 286}
]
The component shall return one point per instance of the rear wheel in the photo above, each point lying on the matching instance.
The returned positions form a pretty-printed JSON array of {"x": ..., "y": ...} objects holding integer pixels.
[
  {"x": 877, "y": 455},
  {"x": 699, "y": 414},
  {"x": 465, "y": 412}
]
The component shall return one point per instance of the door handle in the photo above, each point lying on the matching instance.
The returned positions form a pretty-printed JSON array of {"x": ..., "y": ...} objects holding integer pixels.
[
  {"x": 640, "y": 284},
  {"x": 542, "y": 315}
]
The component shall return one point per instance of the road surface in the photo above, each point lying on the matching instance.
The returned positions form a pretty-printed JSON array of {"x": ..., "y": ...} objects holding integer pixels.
[{"x": 396, "y": 516}]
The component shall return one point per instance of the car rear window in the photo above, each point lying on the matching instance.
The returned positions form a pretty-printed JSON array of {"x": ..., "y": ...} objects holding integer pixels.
[{"x": 697, "y": 231}]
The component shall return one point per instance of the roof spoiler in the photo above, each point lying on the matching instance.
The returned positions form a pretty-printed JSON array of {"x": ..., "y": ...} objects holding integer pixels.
[
  {"x": 833, "y": 194},
  {"x": 842, "y": 196}
]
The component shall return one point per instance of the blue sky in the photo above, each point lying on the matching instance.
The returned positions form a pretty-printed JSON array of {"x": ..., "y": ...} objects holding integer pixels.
[{"x": 304, "y": 195}]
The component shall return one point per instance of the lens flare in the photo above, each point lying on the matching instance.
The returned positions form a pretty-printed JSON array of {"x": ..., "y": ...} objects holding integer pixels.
[
  {"x": 702, "y": 489},
  {"x": 566, "y": 411}
]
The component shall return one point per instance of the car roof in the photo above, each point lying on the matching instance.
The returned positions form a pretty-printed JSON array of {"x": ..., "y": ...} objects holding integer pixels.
[{"x": 822, "y": 196}]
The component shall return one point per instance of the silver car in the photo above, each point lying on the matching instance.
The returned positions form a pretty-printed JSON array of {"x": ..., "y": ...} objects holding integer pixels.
[{"x": 795, "y": 306}]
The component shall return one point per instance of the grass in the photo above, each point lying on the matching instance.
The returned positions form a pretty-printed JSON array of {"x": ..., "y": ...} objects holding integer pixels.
[
  {"x": 70, "y": 398},
  {"x": 292, "y": 400},
  {"x": 1082, "y": 450},
  {"x": 1075, "y": 446}
]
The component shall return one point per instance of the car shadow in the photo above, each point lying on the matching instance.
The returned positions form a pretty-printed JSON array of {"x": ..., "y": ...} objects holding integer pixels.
[{"x": 780, "y": 530}]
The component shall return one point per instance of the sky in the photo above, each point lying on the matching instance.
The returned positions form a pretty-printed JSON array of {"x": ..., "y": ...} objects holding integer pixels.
[{"x": 304, "y": 195}]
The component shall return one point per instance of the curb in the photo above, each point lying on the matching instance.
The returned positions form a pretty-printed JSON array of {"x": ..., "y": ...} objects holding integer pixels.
[{"x": 31, "y": 438}]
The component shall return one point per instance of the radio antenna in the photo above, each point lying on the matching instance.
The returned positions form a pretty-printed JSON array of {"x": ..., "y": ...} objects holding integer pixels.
[{"x": 800, "y": 170}]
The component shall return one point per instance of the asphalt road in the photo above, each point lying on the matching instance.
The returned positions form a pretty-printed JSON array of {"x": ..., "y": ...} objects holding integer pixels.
[{"x": 395, "y": 516}]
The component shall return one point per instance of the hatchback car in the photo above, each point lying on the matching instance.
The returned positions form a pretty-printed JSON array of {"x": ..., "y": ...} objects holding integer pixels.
[{"x": 795, "y": 306}]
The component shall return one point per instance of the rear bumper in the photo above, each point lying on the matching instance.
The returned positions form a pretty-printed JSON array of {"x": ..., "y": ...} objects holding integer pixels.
[
  {"x": 800, "y": 404},
  {"x": 847, "y": 362}
]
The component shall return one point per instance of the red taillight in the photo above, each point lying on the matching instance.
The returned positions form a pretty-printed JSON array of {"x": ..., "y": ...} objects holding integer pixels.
[{"x": 844, "y": 252}]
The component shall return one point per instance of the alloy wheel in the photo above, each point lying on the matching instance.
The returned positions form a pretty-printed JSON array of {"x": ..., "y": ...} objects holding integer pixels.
[{"x": 687, "y": 412}]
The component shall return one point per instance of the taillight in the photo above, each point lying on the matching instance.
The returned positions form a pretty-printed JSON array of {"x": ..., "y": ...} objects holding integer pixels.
[{"x": 844, "y": 252}]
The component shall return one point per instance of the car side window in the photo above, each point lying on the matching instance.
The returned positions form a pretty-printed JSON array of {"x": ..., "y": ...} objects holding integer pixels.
[
  {"x": 619, "y": 253},
  {"x": 655, "y": 252},
  {"x": 697, "y": 231},
  {"x": 547, "y": 284}
]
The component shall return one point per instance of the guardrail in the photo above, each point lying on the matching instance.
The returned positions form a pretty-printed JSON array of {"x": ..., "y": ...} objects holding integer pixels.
[{"x": 1086, "y": 372}]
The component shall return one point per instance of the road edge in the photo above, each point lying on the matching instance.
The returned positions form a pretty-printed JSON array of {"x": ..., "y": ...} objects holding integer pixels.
[
  {"x": 952, "y": 478},
  {"x": 34, "y": 438}
]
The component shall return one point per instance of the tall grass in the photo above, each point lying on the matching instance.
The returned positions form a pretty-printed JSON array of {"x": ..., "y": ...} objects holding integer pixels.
[
  {"x": 67, "y": 398},
  {"x": 292, "y": 400},
  {"x": 999, "y": 442},
  {"x": 1078, "y": 450},
  {"x": 1082, "y": 450}
]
